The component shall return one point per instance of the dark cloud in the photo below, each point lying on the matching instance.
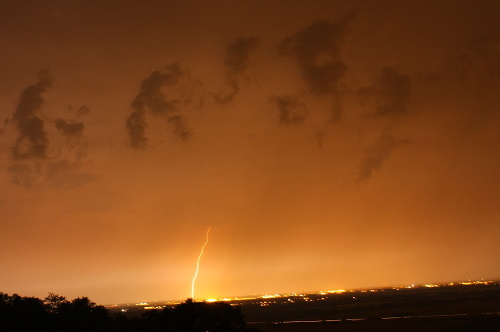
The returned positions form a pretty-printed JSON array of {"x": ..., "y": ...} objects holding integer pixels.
[
  {"x": 59, "y": 174},
  {"x": 237, "y": 55},
  {"x": 32, "y": 141},
  {"x": 317, "y": 50},
  {"x": 161, "y": 94},
  {"x": 136, "y": 125},
  {"x": 237, "y": 61},
  {"x": 63, "y": 175},
  {"x": 152, "y": 96},
  {"x": 391, "y": 92},
  {"x": 179, "y": 127},
  {"x": 31, "y": 165},
  {"x": 73, "y": 133},
  {"x": 25, "y": 174},
  {"x": 70, "y": 129},
  {"x": 376, "y": 155},
  {"x": 82, "y": 110},
  {"x": 291, "y": 112}
]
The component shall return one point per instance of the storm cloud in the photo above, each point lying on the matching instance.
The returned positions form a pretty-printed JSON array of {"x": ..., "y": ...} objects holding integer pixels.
[
  {"x": 161, "y": 94},
  {"x": 390, "y": 93},
  {"x": 73, "y": 133},
  {"x": 70, "y": 129},
  {"x": 236, "y": 63},
  {"x": 82, "y": 110},
  {"x": 179, "y": 127},
  {"x": 32, "y": 141},
  {"x": 136, "y": 126},
  {"x": 64, "y": 174},
  {"x": 376, "y": 154},
  {"x": 317, "y": 49},
  {"x": 31, "y": 164},
  {"x": 291, "y": 111}
]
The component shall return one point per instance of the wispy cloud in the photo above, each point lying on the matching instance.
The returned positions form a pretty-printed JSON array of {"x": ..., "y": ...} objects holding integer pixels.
[
  {"x": 32, "y": 141},
  {"x": 237, "y": 62},
  {"x": 291, "y": 112},
  {"x": 31, "y": 163},
  {"x": 390, "y": 93},
  {"x": 73, "y": 133},
  {"x": 161, "y": 94},
  {"x": 376, "y": 154},
  {"x": 317, "y": 50}
]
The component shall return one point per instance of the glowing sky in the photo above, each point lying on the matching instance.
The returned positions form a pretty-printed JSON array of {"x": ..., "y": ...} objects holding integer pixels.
[{"x": 329, "y": 145}]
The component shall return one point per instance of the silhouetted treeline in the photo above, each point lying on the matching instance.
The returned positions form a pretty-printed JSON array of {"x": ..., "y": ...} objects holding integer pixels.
[{"x": 56, "y": 313}]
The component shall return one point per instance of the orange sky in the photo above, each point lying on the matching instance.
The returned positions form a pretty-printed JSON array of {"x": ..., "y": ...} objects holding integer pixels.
[{"x": 328, "y": 145}]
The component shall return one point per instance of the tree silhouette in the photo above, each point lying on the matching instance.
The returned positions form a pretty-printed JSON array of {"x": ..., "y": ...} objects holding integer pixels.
[
  {"x": 22, "y": 314},
  {"x": 56, "y": 314},
  {"x": 82, "y": 315},
  {"x": 54, "y": 302},
  {"x": 203, "y": 316}
]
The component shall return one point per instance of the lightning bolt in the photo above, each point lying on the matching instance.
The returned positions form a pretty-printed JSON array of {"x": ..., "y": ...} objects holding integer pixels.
[{"x": 198, "y": 263}]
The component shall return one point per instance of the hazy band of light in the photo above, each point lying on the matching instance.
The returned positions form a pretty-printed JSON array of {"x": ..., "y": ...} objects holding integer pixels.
[{"x": 198, "y": 263}]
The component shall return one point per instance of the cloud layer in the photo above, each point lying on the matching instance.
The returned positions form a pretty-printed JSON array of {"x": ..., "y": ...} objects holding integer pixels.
[
  {"x": 161, "y": 94},
  {"x": 32, "y": 142},
  {"x": 390, "y": 93},
  {"x": 31, "y": 163},
  {"x": 237, "y": 62}
]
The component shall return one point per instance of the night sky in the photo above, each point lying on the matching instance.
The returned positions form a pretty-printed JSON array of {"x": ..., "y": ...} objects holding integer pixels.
[{"x": 328, "y": 145}]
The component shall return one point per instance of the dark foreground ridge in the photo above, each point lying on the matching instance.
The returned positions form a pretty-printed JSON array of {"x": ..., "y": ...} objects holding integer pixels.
[
  {"x": 463, "y": 307},
  {"x": 55, "y": 313},
  {"x": 458, "y": 306},
  {"x": 446, "y": 308}
]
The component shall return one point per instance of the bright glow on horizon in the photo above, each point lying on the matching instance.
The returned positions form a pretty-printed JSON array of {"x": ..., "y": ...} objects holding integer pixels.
[
  {"x": 198, "y": 263},
  {"x": 306, "y": 296}
]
